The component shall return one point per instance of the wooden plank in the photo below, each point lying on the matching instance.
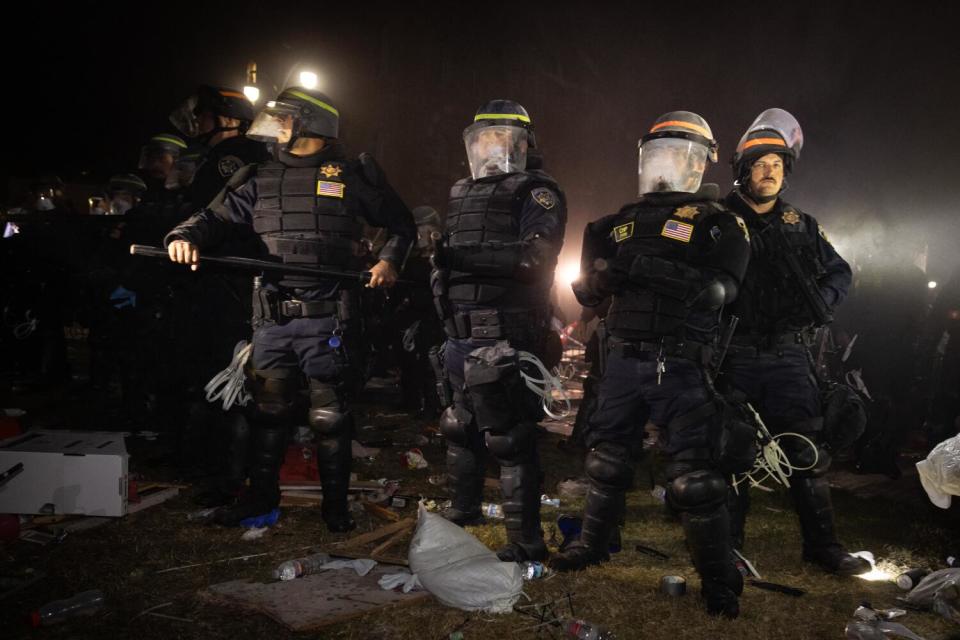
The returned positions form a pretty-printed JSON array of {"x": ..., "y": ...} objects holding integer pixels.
[
  {"x": 377, "y": 534},
  {"x": 381, "y": 512},
  {"x": 392, "y": 540}
]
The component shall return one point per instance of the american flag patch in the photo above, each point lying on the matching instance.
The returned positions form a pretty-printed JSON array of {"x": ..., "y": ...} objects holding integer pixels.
[
  {"x": 332, "y": 189},
  {"x": 677, "y": 230}
]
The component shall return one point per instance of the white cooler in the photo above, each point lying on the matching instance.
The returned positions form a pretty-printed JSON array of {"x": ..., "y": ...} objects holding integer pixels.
[{"x": 78, "y": 472}]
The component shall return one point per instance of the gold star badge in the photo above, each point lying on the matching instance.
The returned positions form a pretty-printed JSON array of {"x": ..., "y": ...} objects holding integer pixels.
[
  {"x": 791, "y": 217},
  {"x": 686, "y": 213},
  {"x": 331, "y": 171}
]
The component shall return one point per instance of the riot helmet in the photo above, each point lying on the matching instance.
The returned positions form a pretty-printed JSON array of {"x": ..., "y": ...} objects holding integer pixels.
[
  {"x": 159, "y": 156},
  {"x": 200, "y": 116},
  {"x": 673, "y": 155},
  {"x": 124, "y": 191},
  {"x": 499, "y": 139},
  {"x": 773, "y": 131}
]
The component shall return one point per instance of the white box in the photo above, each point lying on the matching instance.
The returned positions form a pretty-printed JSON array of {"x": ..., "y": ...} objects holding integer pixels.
[{"x": 79, "y": 472}]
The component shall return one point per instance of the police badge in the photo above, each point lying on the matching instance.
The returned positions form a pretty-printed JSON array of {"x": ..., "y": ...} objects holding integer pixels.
[
  {"x": 229, "y": 165},
  {"x": 791, "y": 217},
  {"x": 544, "y": 197}
]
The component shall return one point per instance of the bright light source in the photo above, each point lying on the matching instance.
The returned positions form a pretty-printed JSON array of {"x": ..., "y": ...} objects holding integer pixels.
[
  {"x": 308, "y": 80},
  {"x": 880, "y": 571},
  {"x": 932, "y": 284},
  {"x": 252, "y": 93},
  {"x": 568, "y": 273}
]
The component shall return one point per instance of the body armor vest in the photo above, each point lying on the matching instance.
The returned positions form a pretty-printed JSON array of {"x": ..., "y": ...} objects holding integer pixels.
[
  {"x": 302, "y": 216},
  {"x": 638, "y": 313},
  {"x": 769, "y": 301},
  {"x": 488, "y": 210}
]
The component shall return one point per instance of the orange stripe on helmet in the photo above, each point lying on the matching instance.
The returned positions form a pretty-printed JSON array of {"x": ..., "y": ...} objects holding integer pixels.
[
  {"x": 777, "y": 142},
  {"x": 232, "y": 94},
  {"x": 686, "y": 125}
]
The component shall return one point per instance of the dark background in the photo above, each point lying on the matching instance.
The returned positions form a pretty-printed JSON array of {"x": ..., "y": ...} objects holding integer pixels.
[{"x": 875, "y": 91}]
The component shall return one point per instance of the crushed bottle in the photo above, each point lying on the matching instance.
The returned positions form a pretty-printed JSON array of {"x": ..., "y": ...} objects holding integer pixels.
[{"x": 299, "y": 567}]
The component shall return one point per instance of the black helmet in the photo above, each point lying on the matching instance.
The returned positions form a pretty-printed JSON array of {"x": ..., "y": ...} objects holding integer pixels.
[
  {"x": 220, "y": 101},
  {"x": 127, "y": 182},
  {"x": 312, "y": 113},
  {"x": 773, "y": 131},
  {"x": 499, "y": 139}
]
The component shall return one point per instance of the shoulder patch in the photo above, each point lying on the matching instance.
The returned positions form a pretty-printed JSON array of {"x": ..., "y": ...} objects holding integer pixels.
[
  {"x": 791, "y": 217},
  {"x": 330, "y": 189},
  {"x": 229, "y": 165},
  {"x": 677, "y": 230},
  {"x": 622, "y": 232},
  {"x": 544, "y": 197},
  {"x": 743, "y": 226},
  {"x": 686, "y": 212}
]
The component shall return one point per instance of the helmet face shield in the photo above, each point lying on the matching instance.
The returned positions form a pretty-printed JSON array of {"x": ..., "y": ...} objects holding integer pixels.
[
  {"x": 671, "y": 164},
  {"x": 274, "y": 123},
  {"x": 185, "y": 119},
  {"x": 497, "y": 149}
]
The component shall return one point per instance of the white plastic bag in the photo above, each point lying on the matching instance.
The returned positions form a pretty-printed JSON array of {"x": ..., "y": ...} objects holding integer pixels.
[
  {"x": 939, "y": 591},
  {"x": 940, "y": 472},
  {"x": 459, "y": 569}
]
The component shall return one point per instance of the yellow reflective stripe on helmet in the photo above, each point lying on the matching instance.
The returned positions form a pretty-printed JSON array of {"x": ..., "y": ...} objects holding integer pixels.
[
  {"x": 173, "y": 141},
  {"x": 686, "y": 125},
  {"x": 777, "y": 142},
  {"x": 501, "y": 116},
  {"x": 312, "y": 100}
]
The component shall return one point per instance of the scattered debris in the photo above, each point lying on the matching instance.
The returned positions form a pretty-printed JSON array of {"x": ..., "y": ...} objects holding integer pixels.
[
  {"x": 777, "y": 588},
  {"x": 233, "y": 559},
  {"x": 650, "y": 551},
  {"x": 414, "y": 459},
  {"x": 254, "y": 533},
  {"x": 358, "y": 450},
  {"x": 393, "y": 533}
]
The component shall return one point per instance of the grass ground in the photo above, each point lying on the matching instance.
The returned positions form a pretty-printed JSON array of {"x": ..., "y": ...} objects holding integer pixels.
[{"x": 123, "y": 558}]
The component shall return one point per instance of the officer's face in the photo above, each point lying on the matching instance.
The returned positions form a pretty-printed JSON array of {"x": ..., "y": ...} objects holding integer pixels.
[
  {"x": 159, "y": 164},
  {"x": 766, "y": 175},
  {"x": 495, "y": 141}
]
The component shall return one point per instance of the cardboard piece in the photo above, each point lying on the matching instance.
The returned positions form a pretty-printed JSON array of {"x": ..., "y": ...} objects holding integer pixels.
[{"x": 313, "y": 601}]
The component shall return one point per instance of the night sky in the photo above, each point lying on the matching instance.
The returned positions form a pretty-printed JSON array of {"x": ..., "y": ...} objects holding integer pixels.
[{"x": 875, "y": 91}]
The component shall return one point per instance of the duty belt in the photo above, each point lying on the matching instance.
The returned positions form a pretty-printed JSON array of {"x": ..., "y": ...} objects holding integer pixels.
[
  {"x": 493, "y": 324},
  {"x": 670, "y": 347},
  {"x": 755, "y": 345},
  {"x": 270, "y": 305}
]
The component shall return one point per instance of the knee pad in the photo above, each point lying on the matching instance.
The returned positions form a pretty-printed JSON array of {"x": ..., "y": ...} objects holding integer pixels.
[
  {"x": 492, "y": 377},
  {"x": 609, "y": 466},
  {"x": 273, "y": 396},
  {"x": 513, "y": 446},
  {"x": 454, "y": 424},
  {"x": 330, "y": 422},
  {"x": 697, "y": 491}
]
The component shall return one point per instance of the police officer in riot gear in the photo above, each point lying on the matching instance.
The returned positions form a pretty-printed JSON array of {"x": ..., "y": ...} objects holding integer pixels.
[
  {"x": 217, "y": 119},
  {"x": 494, "y": 270},
  {"x": 157, "y": 166},
  {"x": 768, "y": 360},
  {"x": 306, "y": 207},
  {"x": 670, "y": 261}
]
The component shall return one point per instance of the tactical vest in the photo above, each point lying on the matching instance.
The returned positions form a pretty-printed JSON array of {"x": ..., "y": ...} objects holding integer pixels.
[
  {"x": 661, "y": 231},
  {"x": 768, "y": 302},
  {"x": 488, "y": 210},
  {"x": 302, "y": 217}
]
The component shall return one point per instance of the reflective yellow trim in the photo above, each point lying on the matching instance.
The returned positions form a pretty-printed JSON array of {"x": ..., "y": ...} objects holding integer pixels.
[
  {"x": 173, "y": 141},
  {"x": 312, "y": 100},
  {"x": 501, "y": 116}
]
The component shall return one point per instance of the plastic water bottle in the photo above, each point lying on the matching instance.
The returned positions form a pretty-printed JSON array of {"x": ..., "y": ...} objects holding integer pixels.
[
  {"x": 82, "y": 604},
  {"x": 583, "y": 630},
  {"x": 492, "y": 510},
  {"x": 292, "y": 569},
  {"x": 533, "y": 570}
]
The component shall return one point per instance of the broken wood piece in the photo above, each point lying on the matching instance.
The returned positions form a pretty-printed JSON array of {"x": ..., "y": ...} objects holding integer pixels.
[
  {"x": 380, "y": 512},
  {"x": 392, "y": 540},
  {"x": 377, "y": 534}
]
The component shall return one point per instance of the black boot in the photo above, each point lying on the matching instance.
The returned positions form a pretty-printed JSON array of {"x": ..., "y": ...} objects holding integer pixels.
[
  {"x": 465, "y": 465},
  {"x": 225, "y": 489},
  {"x": 521, "y": 509},
  {"x": 738, "y": 504},
  {"x": 333, "y": 464},
  {"x": 600, "y": 517},
  {"x": 263, "y": 496},
  {"x": 820, "y": 545},
  {"x": 708, "y": 538}
]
